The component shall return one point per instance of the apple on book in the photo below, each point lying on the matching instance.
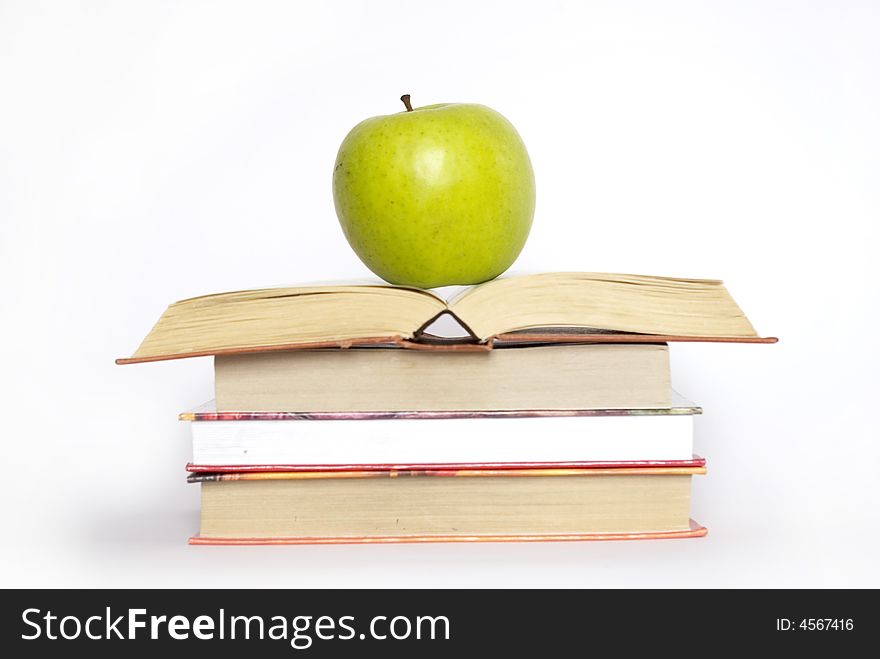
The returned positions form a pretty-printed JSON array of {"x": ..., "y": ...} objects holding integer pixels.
[{"x": 435, "y": 196}]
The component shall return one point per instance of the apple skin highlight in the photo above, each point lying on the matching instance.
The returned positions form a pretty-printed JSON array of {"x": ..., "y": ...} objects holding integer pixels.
[{"x": 435, "y": 196}]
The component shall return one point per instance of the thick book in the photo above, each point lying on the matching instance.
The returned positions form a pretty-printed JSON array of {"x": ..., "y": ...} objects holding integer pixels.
[
  {"x": 549, "y": 377},
  {"x": 549, "y": 307},
  {"x": 426, "y": 506},
  {"x": 272, "y": 441}
]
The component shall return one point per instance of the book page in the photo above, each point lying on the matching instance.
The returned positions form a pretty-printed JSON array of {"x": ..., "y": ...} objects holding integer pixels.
[{"x": 619, "y": 302}]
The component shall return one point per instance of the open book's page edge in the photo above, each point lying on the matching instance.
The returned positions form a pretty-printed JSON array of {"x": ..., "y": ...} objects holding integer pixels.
[
  {"x": 457, "y": 296},
  {"x": 501, "y": 341},
  {"x": 220, "y": 299},
  {"x": 506, "y": 287},
  {"x": 316, "y": 287},
  {"x": 379, "y": 341},
  {"x": 523, "y": 338}
]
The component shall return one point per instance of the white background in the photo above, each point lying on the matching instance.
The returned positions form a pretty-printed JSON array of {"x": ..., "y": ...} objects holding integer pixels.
[{"x": 154, "y": 151}]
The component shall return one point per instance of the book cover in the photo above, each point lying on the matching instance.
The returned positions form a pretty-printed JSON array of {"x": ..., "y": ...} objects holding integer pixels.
[
  {"x": 695, "y": 530},
  {"x": 551, "y": 472},
  {"x": 201, "y": 473},
  {"x": 208, "y": 412}
]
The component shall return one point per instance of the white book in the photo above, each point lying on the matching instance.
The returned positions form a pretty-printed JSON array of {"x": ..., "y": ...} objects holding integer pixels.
[{"x": 224, "y": 440}]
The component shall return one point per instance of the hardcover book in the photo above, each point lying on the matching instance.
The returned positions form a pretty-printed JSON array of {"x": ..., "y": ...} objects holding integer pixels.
[
  {"x": 443, "y": 505},
  {"x": 549, "y": 307},
  {"x": 290, "y": 441},
  {"x": 549, "y": 377}
]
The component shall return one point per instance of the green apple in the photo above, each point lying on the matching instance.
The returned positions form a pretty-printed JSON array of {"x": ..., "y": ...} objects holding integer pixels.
[{"x": 437, "y": 195}]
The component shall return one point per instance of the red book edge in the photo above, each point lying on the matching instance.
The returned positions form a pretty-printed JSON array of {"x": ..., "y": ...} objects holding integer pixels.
[
  {"x": 499, "y": 341},
  {"x": 444, "y": 473},
  {"x": 679, "y": 407},
  {"x": 696, "y": 461},
  {"x": 695, "y": 530}
]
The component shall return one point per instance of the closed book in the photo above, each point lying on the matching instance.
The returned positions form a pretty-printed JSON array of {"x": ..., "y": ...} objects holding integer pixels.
[
  {"x": 281, "y": 441},
  {"x": 546, "y": 377},
  {"x": 443, "y": 505}
]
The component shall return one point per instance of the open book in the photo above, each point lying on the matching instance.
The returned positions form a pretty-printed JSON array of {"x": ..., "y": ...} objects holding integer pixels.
[{"x": 522, "y": 310}]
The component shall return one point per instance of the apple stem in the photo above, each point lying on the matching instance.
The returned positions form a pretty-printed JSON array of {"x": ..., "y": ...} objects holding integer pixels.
[{"x": 405, "y": 99}]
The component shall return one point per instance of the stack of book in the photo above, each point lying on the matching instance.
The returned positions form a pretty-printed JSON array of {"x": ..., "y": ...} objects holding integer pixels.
[{"x": 340, "y": 416}]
